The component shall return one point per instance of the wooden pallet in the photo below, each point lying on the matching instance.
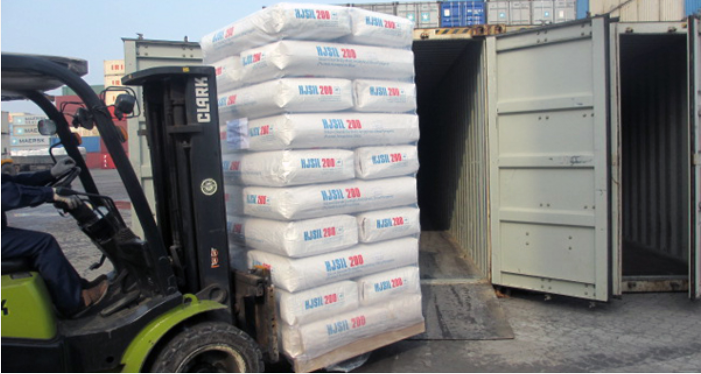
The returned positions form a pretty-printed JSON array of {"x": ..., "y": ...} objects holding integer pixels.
[{"x": 357, "y": 348}]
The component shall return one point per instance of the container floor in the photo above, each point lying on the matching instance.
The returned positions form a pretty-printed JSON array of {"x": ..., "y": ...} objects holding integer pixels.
[
  {"x": 638, "y": 261},
  {"x": 441, "y": 259}
]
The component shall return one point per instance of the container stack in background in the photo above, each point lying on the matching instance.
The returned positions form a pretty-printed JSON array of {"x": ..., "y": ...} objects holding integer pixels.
[
  {"x": 317, "y": 109},
  {"x": 435, "y": 14}
]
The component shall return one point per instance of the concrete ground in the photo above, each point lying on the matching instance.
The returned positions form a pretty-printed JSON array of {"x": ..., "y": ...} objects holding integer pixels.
[{"x": 638, "y": 333}]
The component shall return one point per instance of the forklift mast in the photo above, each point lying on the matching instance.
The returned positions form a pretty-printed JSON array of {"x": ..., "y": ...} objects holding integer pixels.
[{"x": 182, "y": 129}]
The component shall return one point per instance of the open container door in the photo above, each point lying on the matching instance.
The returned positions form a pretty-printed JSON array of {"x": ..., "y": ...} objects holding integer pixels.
[
  {"x": 694, "y": 120},
  {"x": 549, "y": 174}
]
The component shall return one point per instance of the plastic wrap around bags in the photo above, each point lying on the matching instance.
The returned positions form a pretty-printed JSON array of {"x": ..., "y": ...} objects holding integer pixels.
[
  {"x": 288, "y": 95},
  {"x": 301, "y": 238},
  {"x": 380, "y": 29},
  {"x": 278, "y": 22},
  {"x": 329, "y": 130},
  {"x": 378, "y": 225},
  {"x": 317, "y": 303},
  {"x": 238, "y": 257},
  {"x": 292, "y": 58},
  {"x": 289, "y": 168},
  {"x": 384, "y": 96},
  {"x": 233, "y": 198},
  {"x": 388, "y": 161},
  {"x": 382, "y": 287},
  {"x": 294, "y": 275},
  {"x": 317, "y": 338},
  {"x": 235, "y": 228},
  {"x": 320, "y": 200}
]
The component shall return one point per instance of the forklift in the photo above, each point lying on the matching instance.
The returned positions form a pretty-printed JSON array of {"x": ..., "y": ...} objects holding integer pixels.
[{"x": 173, "y": 302}]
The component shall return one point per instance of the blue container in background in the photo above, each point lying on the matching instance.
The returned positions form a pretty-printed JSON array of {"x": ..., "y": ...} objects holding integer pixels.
[
  {"x": 693, "y": 7},
  {"x": 583, "y": 8},
  {"x": 462, "y": 13}
]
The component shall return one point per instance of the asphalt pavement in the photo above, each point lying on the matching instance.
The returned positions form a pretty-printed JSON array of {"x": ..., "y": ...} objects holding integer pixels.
[{"x": 654, "y": 332}]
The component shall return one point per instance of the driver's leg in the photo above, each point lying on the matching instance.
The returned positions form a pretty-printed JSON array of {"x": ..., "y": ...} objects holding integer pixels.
[{"x": 45, "y": 255}]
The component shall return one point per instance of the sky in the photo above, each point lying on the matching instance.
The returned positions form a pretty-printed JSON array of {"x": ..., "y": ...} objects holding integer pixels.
[{"x": 93, "y": 29}]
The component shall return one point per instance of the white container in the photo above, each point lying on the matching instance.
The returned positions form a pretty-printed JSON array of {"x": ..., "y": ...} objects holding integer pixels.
[
  {"x": 344, "y": 129},
  {"x": 114, "y": 67},
  {"x": 294, "y": 275},
  {"x": 321, "y": 200}
]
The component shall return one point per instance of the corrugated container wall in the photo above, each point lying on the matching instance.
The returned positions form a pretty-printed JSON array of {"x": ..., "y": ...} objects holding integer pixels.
[
  {"x": 426, "y": 15},
  {"x": 654, "y": 136},
  {"x": 693, "y": 7},
  {"x": 639, "y": 10},
  {"x": 452, "y": 183}
]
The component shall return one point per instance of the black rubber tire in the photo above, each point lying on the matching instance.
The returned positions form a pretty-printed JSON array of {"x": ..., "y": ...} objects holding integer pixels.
[{"x": 210, "y": 347}]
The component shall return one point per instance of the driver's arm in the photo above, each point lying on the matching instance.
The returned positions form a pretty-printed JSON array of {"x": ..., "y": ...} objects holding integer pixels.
[
  {"x": 16, "y": 195},
  {"x": 39, "y": 178}
]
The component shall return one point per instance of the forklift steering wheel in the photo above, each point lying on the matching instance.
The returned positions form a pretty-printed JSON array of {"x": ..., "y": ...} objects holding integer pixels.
[{"x": 66, "y": 179}]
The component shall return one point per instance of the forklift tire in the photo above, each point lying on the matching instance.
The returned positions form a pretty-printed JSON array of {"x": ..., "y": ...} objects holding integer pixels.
[{"x": 210, "y": 347}]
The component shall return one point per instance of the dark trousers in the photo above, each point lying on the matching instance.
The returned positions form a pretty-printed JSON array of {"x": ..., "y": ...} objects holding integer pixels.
[{"x": 45, "y": 255}]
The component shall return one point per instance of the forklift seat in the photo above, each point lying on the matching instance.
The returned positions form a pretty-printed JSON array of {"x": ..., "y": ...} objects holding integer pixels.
[{"x": 16, "y": 265}]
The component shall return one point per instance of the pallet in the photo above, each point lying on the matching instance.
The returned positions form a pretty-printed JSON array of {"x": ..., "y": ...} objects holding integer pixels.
[{"x": 357, "y": 348}]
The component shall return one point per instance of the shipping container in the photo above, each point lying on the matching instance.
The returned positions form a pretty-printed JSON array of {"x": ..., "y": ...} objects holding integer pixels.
[
  {"x": 113, "y": 80},
  {"x": 577, "y": 184},
  {"x": 498, "y": 12},
  {"x": 5, "y": 122},
  {"x": 565, "y": 10},
  {"x": 24, "y": 130},
  {"x": 462, "y": 13},
  {"x": 582, "y": 8},
  {"x": 113, "y": 67},
  {"x": 692, "y": 7},
  {"x": 520, "y": 13},
  {"x": 639, "y": 10},
  {"x": 425, "y": 15},
  {"x": 386, "y": 8},
  {"x": 140, "y": 54},
  {"x": 543, "y": 12},
  {"x": 91, "y": 144}
]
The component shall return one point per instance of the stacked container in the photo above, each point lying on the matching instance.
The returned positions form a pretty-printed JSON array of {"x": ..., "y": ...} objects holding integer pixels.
[
  {"x": 317, "y": 109},
  {"x": 462, "y": 13}
]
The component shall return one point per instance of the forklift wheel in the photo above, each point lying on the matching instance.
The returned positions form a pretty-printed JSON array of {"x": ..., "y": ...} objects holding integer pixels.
[{"x": 210, "y": 347}]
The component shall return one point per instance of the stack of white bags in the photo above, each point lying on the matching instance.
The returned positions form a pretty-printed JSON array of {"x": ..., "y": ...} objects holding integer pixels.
[{"x": 317, "y": 108}]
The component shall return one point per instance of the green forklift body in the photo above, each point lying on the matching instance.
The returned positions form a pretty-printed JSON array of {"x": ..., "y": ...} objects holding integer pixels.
[{"x": 27, "y": 311}]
